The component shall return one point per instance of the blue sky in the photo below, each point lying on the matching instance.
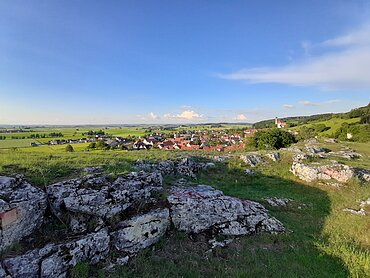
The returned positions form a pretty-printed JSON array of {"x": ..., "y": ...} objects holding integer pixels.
[{"x": 98, "y": 62}]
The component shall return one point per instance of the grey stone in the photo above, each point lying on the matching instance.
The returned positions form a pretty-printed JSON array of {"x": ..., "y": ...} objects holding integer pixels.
[
  {"x": 28, "y": 265},
  {"x": 278, "y": 202},
  {"x": 55, "y": 260},
  {"x": 360, "y": 211},
  {"x": 274, "y": 156},
  {"x": 339, "y": 172},
  {"x": 141, "y": 231},
  {"x": 252, "y": 159},
  {"x": 200, "y": 208},
  {"x": 83, "y": 198},
  {"x": 250, "y": 172},
  {"x": 22, "y": 208}
]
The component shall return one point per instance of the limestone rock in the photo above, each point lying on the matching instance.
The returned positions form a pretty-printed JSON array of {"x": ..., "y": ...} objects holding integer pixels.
[
  {"x": 363, "y": 174},
  {"x": 348, "y": 154},
  {"x": 141, "y": 231},
  {"x": 78, "y": 200},
  {"x": 339, "y": 172},
  {"x": 252, "y": 159},
  {"x": 55, "y": 260},
  {"x": 278, "y": 202},
  {"x": 22, "y": 208},
  {"x": 200, "y": 208},
  {"x": 274, "y": 156},
  {"x": 250, "y": 172},
  {"x": 315, "y": 149},
  {"x": 165, "y": 167},
  {"x": 360, "y": 211},
  {"x": 330, "y": 140},
  {"x": 28, "y": 265}
]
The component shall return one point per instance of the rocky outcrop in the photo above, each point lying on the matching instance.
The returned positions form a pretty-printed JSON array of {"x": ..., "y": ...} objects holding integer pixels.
[
  {"x": 200, "y": 208},
  {"x": 250, "y": 172},
  {"x": 315, "y": 149},
  {"x": 22, "y": 208},
  {"x": 347, "y": 154},
  {"x": 55, "y": 260},
  {"x": 334, "y": 171},
  {"x": 187, "y": 167},
  {"x": 274, "y": 156},
  {"x": 141, "y": 231},
  {"x": 339, "y": 172},
  {"x": 278, "y": 202},
  {"x": 94, "y": 198},
  {"x": 165, "y": 167},
  {"x": 252, "y": 159}
]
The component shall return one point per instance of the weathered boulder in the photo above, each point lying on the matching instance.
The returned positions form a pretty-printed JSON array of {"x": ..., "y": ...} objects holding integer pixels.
[
  {"x": 331, "y": 140},
  {"x": 302, "y": 156},
  {"x": 362, "y": 174},
  {"x": 274, "y": 156},
  {"x": 166, "y": 167},
  {"x": 188, "y": 167},
  {"x": 79, "y": 200},
  {"x": 315, "y": 149},
  {"x": 252, "y": 159},
  {"x": 336, "y": 171},
  {"x": 200, "y": 208},
  {"x": 28, "y": 265},
  {"x": 55, "y": 260},
  {"x": 278, "y": 202},
  {"x": 141, "y": 231},
  {"x": 348, "y": 154},
  {"x": 93, "y": 169},
  {"x": 22, "y": 208},
  {"x": 250, "y": 172}
]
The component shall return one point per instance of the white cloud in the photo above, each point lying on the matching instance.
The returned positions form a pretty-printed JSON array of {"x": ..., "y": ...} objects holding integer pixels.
[
  {"x": 288, "y": 106},
  {"x": 308, "y": 103},
  {"x": 153, "y": 116},
  {"x": 187, "y": 115},
  {"x": 345, "y": 64},
  {"x": 240, "y": 117}
]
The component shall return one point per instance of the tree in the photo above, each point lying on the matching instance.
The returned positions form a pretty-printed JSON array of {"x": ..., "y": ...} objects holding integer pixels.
[
  {"x": 100, "y": 144},
  {"x": 271, "y": 139},
  {"x": 69, "y": 148}
]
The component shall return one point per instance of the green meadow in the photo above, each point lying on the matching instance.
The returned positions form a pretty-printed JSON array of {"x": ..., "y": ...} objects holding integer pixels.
[{"x": 321, "y": 240}]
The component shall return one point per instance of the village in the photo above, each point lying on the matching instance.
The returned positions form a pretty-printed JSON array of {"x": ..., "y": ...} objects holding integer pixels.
[{"x": 223, "y": 140}]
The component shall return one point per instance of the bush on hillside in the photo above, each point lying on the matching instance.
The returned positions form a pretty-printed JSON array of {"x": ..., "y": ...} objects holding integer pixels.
[
  {"x": 271, "y": 139},
  {"x": 69, "y": 148},
  {"x": 100, "y": 144},
  {"x": 359, "y": 132}
]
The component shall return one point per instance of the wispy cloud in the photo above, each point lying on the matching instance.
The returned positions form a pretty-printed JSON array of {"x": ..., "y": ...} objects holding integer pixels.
[
  {"x": 288, "y": 106},
  {"x": 345, "y": 64},
  {"x": 186, "y": 115},
  {"x": 153, "y": 116},
  {"x": 240, "y": 117},
  {"x": 308, "y": 103}
]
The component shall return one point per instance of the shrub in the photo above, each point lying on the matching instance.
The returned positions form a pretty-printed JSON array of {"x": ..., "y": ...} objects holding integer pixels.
[
  {"x": 272, "y": 139},
  {"x": 69, "y": 148},
  {"x": 100, "y": 144}
]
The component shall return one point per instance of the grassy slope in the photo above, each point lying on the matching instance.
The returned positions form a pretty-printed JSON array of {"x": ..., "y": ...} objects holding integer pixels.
[
  {"x": 333, "y": 123},
  {"x": 323, "y": 241}
]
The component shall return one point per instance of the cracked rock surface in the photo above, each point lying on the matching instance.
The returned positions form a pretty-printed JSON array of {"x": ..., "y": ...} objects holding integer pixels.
[
  {"x": 55, "y": 260},
  {"x": 141, "y": 231},
  {"x": 252, "y": 159},
  {"x": 200, "y": 208},
  {"x": 22, "y": 208},
  {"x": 96, "y": 196}
]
